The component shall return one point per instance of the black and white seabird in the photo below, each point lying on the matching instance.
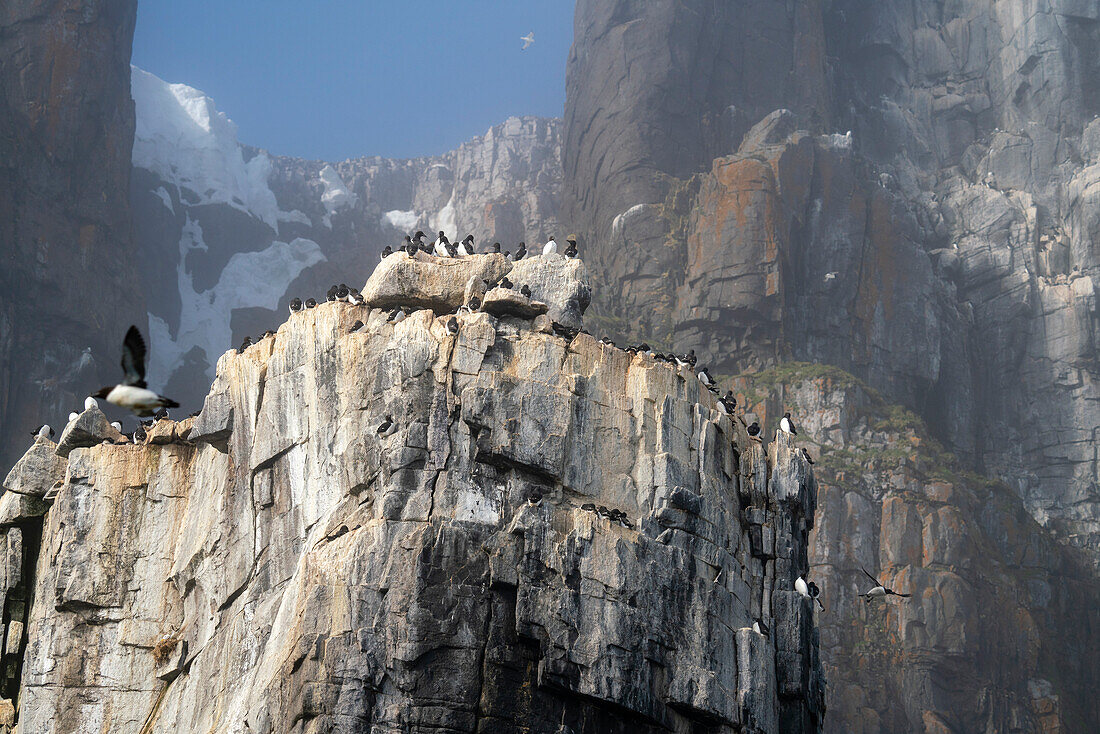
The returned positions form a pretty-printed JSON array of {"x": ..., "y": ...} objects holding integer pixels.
[
  {"x": 534, "y": 498},
  {"x": 452, "y": 326},
  {"x": 43, "y": 431},
  {"x": 571, "y": 248},
  {"x": 295, "y": 305},
  {"x": 139, "y": 434},
  {"x": 330, "y": 296},
  {"x": 787, "y": 425},
  {"x": 117, "y": 426},
  {"x": 809, "y": 591},
  {"x": 311, "y": 303},
  {"x": 441, "y": 243},
  {"x": 496, "y": 247},
  {"x": 342, "y": 292},
  {"x": 386, "y": 252},
  {"x": 807, "y": 457},
  {"x": 588, "y": 507},
  {"x": 387, "y": 427},
  {"x": 397, "y": 315},
  {"x": 471, "y": 306},
  {"x": 355, "y": 327},
  {"x": 245, "y": 344},
  {"x": 760, "y": 628},
  {"x": 754, "y": 429},
  {"x": 505, "y": 283},
  {"x": 880, "y": 589},
  {"x": 132, "y": 393},
  {"x": 525, "y": 290},
  {"x": 466, "y": 247},
  {"x": 727, "y": 403},
  {"x": 550, "y": 247},
  {"x": 705, "y": 378},
  {"x": 521, "y": 252}
]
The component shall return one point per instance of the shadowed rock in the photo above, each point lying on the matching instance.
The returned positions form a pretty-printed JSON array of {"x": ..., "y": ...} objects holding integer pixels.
[{"x": 90, "y": 428}]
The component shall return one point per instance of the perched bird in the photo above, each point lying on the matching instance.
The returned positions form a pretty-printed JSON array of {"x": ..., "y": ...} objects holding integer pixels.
[
  {"x": 330, "y": 296},
  {"x": 161, "y": 414},
  {"x": 808, "y": 591},
  {"x": 807, "y": 457},
  {"x": 705, "y": 378},
  {"x": 571, "y": 248},
  {"x": 754, "y": 429},
  {"x": 760, "y": 628},
  {"x": 311, "y": 303},
  {"x": 139, "y": 434},
  {"x": 688, "y": 360},
  {"x": 73, "y": 415},
  {"x": 268, "y": 334},
  {"x": 295, "y": 305},
  {"x": 879, "y": 589},
  {"x": 521, "y": 252},
  {"x": 525, "y": 290},
  {"x": 132, "y": 393},
  {"x": 117, "y": 426},
  {"x": 43, "y": 431},
  {"x": 527, "y": 40},
  {"x": 534, "y": 498},
  {"x": 355, "y": 298},
  {"x": 386, "y": 253},
  {"x": 550, "y": 247},
  {"x": 245, "y": 344},
  {"x": 452, "y": 326},
  {"x": 452, "y": 249},
  {"x": 607, "y": 341},
  {"x": 588, "y": 507},
  {"x": 466, "y": 247},
  {"x": 90, "y": 403},
  {"x": 787, "y": 425},
  {"x": 441, "y": 245},
  {"x": 727, "y": 403},
  {"x": 471, "y": 306},
  {"x": 505, "y": 283},
  {"x": 342, "y": 292},
  {"x": 496, "y": 247},
  {"x": 355, "y": 327},
  {"x": 387, "y": 427},
  {"x": 397, "y": 315}
]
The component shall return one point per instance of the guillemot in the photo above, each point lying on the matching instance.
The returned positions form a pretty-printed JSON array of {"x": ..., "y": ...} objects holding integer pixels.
[{"x": 131, "y": 393}]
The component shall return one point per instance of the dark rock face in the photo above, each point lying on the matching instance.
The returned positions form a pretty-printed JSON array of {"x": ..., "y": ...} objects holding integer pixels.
[
  {"x": 922, "y": 218},
  {"x": 66, "y": 283},
  {"x": 999, "y": 633}
]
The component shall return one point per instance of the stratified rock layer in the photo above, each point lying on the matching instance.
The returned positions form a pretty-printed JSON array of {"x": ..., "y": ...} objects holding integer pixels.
[{"x": 289, "y": 568}]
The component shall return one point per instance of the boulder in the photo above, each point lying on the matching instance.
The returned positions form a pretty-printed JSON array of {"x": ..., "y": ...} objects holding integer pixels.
[
  {"x": 427, "y": 281},
  {"x": 89, "y": 429}
]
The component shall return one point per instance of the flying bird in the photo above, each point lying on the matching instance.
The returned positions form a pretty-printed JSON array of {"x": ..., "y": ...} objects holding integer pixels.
[
  {"x": 132, "y": 393},
  {"x": 879, "y": 589},
  {"x": 527, "y": 40}
]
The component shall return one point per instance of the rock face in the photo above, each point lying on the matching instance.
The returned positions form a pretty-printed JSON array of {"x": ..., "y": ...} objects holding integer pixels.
[
  {"x": 1001, "y": 628},
  {"x": 66, "y": 123},
  {"x": 243, "y": 232},
  {"x": 903, "y": 189},
  {"x": 281, "y": 565}
]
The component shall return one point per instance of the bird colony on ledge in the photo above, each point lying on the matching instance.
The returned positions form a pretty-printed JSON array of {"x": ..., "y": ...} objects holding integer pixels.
[{"x": 404, "y": 283}]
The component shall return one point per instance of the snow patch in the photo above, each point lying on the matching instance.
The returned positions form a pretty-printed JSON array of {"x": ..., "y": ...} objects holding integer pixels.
[
  {"x": 403, "y": 221},
  {"x": 618, "y": 222},
  {"x": 444, "y": 220},
  {"x": 336, "y": 193},
  {"x": 166, "y": 198},
  {"x": 249, "y": 280},
  {"x": 183, "y": 138}
]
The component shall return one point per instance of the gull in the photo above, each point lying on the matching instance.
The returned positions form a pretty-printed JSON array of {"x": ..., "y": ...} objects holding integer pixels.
[{"x": 527, "y": 40}]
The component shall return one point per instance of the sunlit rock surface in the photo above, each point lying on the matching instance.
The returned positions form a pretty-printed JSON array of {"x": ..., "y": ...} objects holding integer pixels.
[{"x": 278, "y": 565}]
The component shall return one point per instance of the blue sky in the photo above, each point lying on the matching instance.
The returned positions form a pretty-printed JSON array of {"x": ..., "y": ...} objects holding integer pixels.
[{"x": 334, "y": 79}]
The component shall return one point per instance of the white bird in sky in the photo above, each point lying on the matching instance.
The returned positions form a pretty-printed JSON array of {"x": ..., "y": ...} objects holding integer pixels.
[{"x": 527, "y": 40}]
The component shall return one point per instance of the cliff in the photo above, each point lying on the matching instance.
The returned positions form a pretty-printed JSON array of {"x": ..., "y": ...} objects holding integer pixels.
[
  {"x": 66, "y": 125},
  {"x": 276, "y": 564},
  {"x": 231, "y": 233},
  {"x": 1001, "y": 627},
  {"x": 903, "y": 189}
]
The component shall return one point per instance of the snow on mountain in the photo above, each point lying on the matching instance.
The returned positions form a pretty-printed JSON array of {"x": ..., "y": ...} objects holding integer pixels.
[
  {"x": 403, "y": 221},
  {"x": 183, "y": 138},
  {"x": 336, "y": 193}
]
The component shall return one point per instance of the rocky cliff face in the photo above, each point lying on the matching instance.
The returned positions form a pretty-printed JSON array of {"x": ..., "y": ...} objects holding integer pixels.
[
  {"x": 277, "y": 564},
  {"x": 1000, "y": 629},
  {"x": 235, "y": 233},
  {"x": 904, "y": 189},
  {"x": 66, "y": 283}
]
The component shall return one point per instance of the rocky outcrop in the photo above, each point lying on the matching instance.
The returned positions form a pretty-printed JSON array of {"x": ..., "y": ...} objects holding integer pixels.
[
  {"x": 66, "y": 124},
  {"x": 242, "y": 232},
  {"x": 898, "y": 188},
  {"x": 552, "y": 536},
  {"x": 1000, "y": 631}
]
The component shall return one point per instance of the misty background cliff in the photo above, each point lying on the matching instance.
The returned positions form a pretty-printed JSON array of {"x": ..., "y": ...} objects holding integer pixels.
[{"x": 906, "y": 191}]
